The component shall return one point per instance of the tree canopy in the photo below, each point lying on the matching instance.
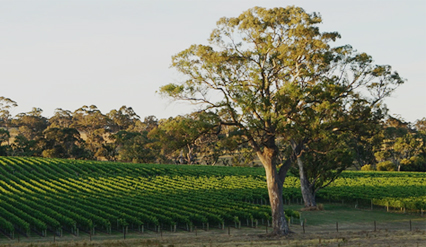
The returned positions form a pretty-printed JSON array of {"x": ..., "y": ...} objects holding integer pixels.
[{"x": 272, "y": 74}]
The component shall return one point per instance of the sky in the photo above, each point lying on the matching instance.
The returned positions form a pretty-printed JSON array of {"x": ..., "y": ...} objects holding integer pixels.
[{"x": 70, "y": 53}]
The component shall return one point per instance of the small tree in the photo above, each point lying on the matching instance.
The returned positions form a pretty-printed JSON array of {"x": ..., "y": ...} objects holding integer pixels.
[
  {"x": 63, "y": 143},
  {"x": 386, "y": 166},
  {"x": 320, "y": 162},
  {"x": 180, "y": 138},
  {"x": 123, "y": 118},
  {"x": 90, "y": 121},
  {"x": 61, "y": 119},
  {"x": 4, "y": 137},
  {"x": 132, "y": 147},
  {"x": 6, "y": 105},
  {"x": 29, "y": 140},
  {"x": 401, "y": 146}
]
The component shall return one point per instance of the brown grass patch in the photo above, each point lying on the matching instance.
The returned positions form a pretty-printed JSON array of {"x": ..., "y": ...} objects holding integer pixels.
[{"x": 319, "y": 207}]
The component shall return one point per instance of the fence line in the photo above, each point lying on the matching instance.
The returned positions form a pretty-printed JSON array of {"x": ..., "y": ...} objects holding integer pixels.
[
  {"x": 297, "y": 226},
  {"x": 405, "y": 225}
]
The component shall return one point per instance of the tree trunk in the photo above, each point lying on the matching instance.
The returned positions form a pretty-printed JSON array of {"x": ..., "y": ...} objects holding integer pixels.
[
  {"x": 189, "y": 156},
  {"x": 308, "y": 193},
  {"x": 275, "y": 187}
]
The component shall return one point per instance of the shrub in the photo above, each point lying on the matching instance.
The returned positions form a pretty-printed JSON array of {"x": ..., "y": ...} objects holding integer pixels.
[
  {"x": 367, "y": 168},
  {"x": 415, "y": 163},
  {"x": 386, "y": 166}
]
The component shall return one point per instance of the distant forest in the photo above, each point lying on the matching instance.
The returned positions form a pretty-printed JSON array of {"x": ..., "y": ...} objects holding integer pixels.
[{"x": 197, "y": 138}]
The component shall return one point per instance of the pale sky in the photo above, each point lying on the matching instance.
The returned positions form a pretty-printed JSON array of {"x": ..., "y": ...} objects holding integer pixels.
[{"x": 66, "y": 54}]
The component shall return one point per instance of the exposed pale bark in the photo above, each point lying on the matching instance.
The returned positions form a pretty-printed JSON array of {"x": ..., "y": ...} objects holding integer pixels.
[
  {"x": 189, "y": 156},
  {"x": 275, "y": 189},
  {"x": 308, "y": 193}
]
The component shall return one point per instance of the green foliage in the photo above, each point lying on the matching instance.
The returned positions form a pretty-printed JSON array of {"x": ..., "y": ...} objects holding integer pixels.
[
  {"x": 414, "y": 163},
  {"x": 367, "y": 168},
  {"x": 63, "y": 143},
  {"x": 95, "y": 125},
  {"x": 6, "y": 105},
  {"x": 394, "y": 189},
  {"x": 180, "y": 138},
  {"x": 403, "y": 146},
  {"x": 275, "y": 77},
  {"x": 4, "y": 139},
  {"x": 385, "y": 166},
  {"x": 37, "y": 193},
  {"x": 61, "y": 119},
  {"x": 31, "y": 124},
  {"x": 108, "y": 195},
  {"x": 21, "y": 146},
  {"x": 123, "y": 119},
  {"x": 58, "y": 193},
  {"x": 134, "y": 147},
  {"x": 4, "y": 136}
]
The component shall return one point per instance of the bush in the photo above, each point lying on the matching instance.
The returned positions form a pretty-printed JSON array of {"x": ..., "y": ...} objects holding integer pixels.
[
  {"x": 386, "y": 166},
  {"x": 415, "y": 163},
  {"x": 367, "y": 168}
]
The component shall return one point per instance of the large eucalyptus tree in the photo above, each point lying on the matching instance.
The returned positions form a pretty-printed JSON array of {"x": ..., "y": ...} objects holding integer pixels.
[{"x": 272, "y": 74}]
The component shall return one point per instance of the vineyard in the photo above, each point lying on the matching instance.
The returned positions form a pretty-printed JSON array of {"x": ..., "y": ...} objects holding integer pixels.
[{"x": 39, "y": 195}]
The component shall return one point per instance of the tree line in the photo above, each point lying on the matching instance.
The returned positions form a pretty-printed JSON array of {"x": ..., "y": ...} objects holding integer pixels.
[
  {"x": 197, "y": 138},
  {"x": 119, "y": 135}
]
